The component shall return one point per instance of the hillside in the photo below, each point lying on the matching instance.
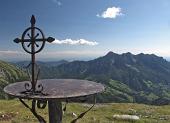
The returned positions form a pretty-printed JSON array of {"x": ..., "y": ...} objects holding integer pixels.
[
  {"x": 9, "y": 74},
  {"x": 46, "y": 68},
  {"x": 142, "y": 78},
  {"x": 15, "y": 112},
  {"x": 41, "y": 63}
]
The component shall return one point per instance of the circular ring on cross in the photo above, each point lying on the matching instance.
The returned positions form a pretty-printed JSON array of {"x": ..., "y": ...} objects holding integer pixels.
[{"x": 27, "y": 43}]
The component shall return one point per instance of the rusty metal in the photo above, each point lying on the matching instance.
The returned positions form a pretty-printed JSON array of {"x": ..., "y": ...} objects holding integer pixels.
[
  {"x": 57, "y": 89},
  {"x": 29, "y": 40},
  {"x": 33, "y": 108},
  {"x": 33, "y": 33},
  {"x": 60, "y": 89},
  {"x": 82, "y": 114},
  {"x": 48, "y": 91}
]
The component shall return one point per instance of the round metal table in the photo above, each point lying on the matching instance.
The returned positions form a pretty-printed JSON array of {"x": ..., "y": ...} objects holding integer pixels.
[{"x": 54, "y": 92}]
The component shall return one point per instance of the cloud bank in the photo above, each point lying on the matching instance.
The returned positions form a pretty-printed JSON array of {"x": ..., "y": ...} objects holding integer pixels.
[
  {"x": 112, "y": 13},
  {"x": 10, "y": 52},
  {"x": 75, "y": 42}
]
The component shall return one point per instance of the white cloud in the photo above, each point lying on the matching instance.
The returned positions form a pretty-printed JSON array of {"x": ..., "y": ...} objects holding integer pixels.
[
  {"x": 10, "y": 52},
  {"x": 57, "y": 2},
  {"x": 75, "y": 42},
  {"x": 112, "y": 12},
  {"x": 12, "y": 55}
]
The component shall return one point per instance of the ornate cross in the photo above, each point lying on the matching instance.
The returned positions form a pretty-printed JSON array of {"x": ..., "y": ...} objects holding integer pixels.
[{"x": 30, "y": 40}]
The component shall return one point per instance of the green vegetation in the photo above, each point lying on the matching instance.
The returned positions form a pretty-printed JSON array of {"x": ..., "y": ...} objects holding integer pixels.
[
  {"x": 127, "y": 78},
  {"x": 117, "y": 92},
  {"x": 14, "y": 112},
  {"x": 9, "y": 74},
  {"x": 141, "y": 78}
]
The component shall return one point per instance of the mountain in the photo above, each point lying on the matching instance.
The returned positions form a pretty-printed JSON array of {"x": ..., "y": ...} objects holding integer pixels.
[
  {"x": 9, "y": 74},
  {"x": 41, "y": 63},
  {"x": 46, "y": 68},
  {"x": 142, "y": 78}
]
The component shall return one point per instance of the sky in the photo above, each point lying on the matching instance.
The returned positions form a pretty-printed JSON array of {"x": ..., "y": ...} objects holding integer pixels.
[{"x": 86, "y": 29}]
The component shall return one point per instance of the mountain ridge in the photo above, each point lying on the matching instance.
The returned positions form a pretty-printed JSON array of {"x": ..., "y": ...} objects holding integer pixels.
[
  {"x": 146, "y": 75},
  {"x": 141, "y": 78}
]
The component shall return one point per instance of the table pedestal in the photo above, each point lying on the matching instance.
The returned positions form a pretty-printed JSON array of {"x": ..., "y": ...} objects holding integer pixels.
[
  {"x": 53, "y": 90},
  {"x": 55, "y": 111}
]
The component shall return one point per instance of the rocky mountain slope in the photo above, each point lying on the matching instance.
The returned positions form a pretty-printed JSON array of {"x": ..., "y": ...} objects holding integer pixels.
[{"x": 143, "y": 78}]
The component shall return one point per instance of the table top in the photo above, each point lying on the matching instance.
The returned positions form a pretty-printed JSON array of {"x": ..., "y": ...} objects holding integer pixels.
[{"x": 56, "y": 89}]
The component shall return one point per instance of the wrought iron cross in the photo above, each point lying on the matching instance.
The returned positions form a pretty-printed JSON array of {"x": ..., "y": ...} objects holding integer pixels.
[{"x": 29, "y": 40}]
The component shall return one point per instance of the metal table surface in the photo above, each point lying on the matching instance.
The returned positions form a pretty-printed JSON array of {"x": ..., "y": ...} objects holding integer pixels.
[
  {"x": 54, "y": 91},
  {"x": 57, "y": 88}
]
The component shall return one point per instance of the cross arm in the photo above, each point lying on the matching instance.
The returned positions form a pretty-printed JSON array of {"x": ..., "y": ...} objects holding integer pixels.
[{"x": 49, "y": 39}]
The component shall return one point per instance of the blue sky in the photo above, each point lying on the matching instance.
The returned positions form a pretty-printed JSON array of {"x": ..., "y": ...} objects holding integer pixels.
[{"x": 86, "y": 29}]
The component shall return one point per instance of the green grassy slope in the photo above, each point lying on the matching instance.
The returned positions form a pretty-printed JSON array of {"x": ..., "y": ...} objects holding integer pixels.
[
  {"x": 9, "y": 74},
  {"x": 15, "y": 112}
]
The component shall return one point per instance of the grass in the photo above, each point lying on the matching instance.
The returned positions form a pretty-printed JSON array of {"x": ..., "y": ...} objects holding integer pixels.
[{"x": 15, "y": 112}]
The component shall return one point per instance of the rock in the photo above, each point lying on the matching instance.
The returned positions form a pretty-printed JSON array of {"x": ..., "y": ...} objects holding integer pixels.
[
  {"x": 74, "y": 115},
  {"x": 146, "y": 116},
  {"x": 132, "y": 110},
  {"x": 126, "y": 117},
  {"x": 6, "y": 116}
]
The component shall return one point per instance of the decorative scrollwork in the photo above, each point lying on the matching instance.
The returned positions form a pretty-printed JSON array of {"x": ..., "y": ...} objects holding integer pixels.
[
  {"x": 40, "y": 88},
  {"x": 28, "y": 86}
]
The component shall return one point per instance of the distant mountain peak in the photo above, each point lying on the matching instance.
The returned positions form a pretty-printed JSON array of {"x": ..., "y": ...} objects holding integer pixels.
[
  {"x": 127, "y": 54},
  {"x": 111, "y": 54}
]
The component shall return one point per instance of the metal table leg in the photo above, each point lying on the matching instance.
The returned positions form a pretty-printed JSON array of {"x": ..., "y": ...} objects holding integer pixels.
[{"x": 55, "y": 111}]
